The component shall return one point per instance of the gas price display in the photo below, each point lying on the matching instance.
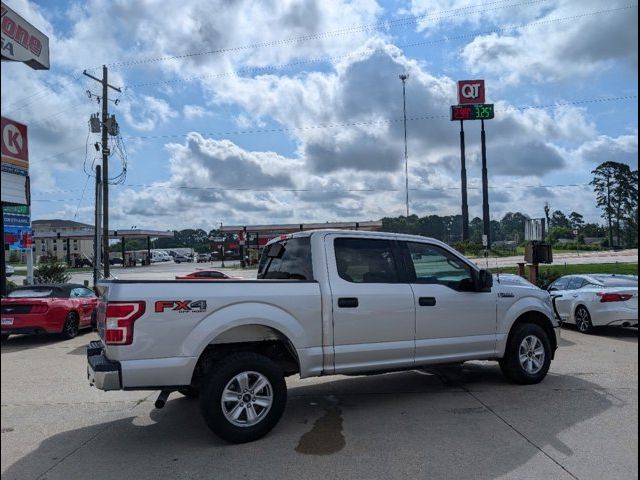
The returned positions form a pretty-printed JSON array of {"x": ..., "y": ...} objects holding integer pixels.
[{"x": 472, "y": 112}]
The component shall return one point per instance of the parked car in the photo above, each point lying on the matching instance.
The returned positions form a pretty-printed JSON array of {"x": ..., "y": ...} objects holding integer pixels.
[
  {"x": 203, "y": 257},
  {"x": 178, "y": 258},
  {"x": 205, "y": 275},
  {"x": 9, "y": 270},
  {"x": 326, "y": 302},
  {"x": 60, "y": 308},
  {"x": 116, "y": 260},
  {"x": 590, "y": 301}
]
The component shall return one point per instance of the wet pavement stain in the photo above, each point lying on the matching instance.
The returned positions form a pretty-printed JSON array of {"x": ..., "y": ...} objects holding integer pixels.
[{"x": 325, "y": 438}]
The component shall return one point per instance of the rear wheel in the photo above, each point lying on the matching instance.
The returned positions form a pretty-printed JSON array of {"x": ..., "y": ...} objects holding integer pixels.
[
  {"x": 528, "y": 355},
  {"x": 243, "y": 397},
  {"x": 71, "y": 326},
  {"x": 583, "y": 320}
]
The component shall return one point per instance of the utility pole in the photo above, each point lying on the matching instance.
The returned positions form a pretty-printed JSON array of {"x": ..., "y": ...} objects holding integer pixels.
[
  {"x": 463, "y": 175},
  {"x": 105, "y": 163},
  {"x": 98, "y": 223},
  {"x": 404, "y": 77},
  {"x": 486, "y": 221}
]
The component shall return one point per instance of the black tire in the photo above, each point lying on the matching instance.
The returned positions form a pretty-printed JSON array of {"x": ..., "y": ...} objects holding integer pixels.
[
  {"x": 583, "y": 320},
  {"x": 526, "y": 373},
  {"x": 71, "y": 326},
  {"x": 94, "y": 320},
  {"x": 221, "y": 375},
  {"x": 5, "y": 337},
  {"x": 190, "y": 392}
]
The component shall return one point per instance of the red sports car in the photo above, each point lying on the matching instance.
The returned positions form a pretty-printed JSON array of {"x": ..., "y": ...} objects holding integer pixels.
[
  {"x": 63, "y": 309},
  {"x": 205, "y": 275}
]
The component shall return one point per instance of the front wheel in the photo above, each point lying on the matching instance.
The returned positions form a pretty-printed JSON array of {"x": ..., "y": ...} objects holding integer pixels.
[
  {"x": 71, "y": 326},
  {"x": 528, "y": 355},
  {"x": 243, "y": 397},
  {"x": 583, "y": 320}
]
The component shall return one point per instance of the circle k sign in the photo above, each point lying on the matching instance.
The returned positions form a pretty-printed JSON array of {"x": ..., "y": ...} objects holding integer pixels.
[
  {"x": 470, "y": 91},
  {"x": 14, "y": 143}
]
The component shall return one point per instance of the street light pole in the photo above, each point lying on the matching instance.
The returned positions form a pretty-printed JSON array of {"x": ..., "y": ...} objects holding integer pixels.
[{"x": 404, "y": 77}]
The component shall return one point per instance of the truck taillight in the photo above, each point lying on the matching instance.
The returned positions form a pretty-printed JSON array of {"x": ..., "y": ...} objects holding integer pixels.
[
  {"x": 614, "y": 297},
  {"x": 119, "y": 318}
]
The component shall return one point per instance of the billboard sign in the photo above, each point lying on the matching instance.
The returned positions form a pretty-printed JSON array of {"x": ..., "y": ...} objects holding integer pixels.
[
  {"x": 472, "y": 112},
  {"x": 18, "y": 238},
  {"x": 22, "y": 42},
  {"x": 15, "y": 162},
  {"x": 17, "y": 216},
  {"x": 470, "y": 91}
]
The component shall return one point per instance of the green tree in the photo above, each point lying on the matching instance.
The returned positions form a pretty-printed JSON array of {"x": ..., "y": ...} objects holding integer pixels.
[
  {"x": 576, "y": 220},
  {"x": 51, "y": 272},
  {"x": 559, "y": 220},
  {"x": 616, "y": 188},
  {"x": 603, "y": 184}
]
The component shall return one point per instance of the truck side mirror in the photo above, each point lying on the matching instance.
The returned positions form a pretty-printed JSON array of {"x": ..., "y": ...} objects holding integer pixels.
[{"x": 484, "y": 281}]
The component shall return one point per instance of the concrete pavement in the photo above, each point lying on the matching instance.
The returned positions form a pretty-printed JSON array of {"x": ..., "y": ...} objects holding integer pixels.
[{"x": 463, "y": 422}]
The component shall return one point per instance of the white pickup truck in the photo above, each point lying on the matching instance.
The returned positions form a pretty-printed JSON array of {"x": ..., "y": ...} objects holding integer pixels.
[{"x": 325, "y": 302}]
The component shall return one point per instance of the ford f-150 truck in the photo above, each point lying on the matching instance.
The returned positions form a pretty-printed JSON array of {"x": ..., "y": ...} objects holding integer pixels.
[{"x": 325, "y": 302}]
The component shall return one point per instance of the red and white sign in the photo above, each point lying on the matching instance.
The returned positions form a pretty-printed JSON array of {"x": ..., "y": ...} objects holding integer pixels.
[
  {"x": 470, "y": 91},
  {"x": 15, "y": 147},
  {"x": 22, "y": 42}
]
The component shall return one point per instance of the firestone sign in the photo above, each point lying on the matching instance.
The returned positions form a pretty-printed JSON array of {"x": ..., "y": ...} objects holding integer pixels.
[
  {"x": 22, "y": 42},
  {"x": 470, "y": 91}
]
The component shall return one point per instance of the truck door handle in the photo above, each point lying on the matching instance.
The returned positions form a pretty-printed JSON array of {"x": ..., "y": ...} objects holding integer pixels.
[
  {"x": 427, "y": 301},
  {"x": 350, "y": 302}
]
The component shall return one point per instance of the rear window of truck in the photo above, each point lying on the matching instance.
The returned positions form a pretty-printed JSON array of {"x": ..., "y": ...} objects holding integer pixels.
[{"x": 293, "y": 263}]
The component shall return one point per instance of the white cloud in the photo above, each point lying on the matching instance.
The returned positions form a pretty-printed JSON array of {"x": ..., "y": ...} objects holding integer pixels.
[
  {"x": 559, "y": 50},
  {"x": 191, "y": 112},
  {"x": 145, "y": 113}
]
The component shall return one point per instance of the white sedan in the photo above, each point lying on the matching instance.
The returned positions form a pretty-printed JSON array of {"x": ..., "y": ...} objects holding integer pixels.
[{"x": 590, "y": 301}]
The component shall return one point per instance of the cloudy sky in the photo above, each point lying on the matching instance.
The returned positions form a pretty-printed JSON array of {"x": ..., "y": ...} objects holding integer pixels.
[{"x": 249, "y": 112}]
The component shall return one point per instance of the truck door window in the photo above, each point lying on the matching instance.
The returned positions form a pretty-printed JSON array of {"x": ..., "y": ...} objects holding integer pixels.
[
  {"x": 293, "y": 264},
  {"x": 365, "y": 260},
  {"x": 432, "y": 264}
]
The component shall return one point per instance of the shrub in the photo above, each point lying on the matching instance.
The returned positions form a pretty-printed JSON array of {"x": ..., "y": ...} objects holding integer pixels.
[{"x": 51, "y": 272}]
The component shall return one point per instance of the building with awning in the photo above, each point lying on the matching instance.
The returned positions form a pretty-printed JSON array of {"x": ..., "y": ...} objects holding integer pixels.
[
  {"x": 254, "y": 237},
  {"x": 67, "y": 240}
]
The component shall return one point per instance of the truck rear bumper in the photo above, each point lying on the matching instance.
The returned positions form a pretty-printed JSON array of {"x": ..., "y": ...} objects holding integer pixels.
[{"x": 102, "y": 373}]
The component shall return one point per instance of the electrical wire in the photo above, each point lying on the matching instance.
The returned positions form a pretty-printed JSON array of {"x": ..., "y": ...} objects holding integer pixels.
[
  {"x": 315, "y": 190},
  {"x": 328, "y": 34},
  {"x": 380, "y": 122},
  {"x": 255, "y": 70}
]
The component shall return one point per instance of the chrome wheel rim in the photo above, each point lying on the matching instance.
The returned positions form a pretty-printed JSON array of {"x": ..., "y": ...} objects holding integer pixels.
[
  {"x": 582, "y": 319},
  {"x": 247, "y": 399},
  {"x": 531, "y": 354}
]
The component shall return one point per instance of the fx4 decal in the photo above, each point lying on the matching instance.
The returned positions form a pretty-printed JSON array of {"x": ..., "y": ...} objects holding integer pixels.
[{"x": 181, "y": 306}]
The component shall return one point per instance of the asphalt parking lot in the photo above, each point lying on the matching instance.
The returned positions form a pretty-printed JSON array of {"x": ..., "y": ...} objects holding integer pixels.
[{"x": 463, "y": 422}]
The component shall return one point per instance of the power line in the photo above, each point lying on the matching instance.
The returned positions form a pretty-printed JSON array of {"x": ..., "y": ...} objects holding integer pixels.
[
  {"x": 337, "y": 125},
  {"x": 316, "y": 190},
  {"x": 443, "y": 14},
  {"x": 379, "y": 122},
  {"x": 254, "y": 70}
]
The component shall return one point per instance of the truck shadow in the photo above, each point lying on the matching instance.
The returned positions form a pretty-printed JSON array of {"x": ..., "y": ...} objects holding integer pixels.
[{"x": 397, "y": 425}]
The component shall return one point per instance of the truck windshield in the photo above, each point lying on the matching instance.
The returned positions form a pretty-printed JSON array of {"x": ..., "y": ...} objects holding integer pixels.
[{"x": 293, "y": 264}]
